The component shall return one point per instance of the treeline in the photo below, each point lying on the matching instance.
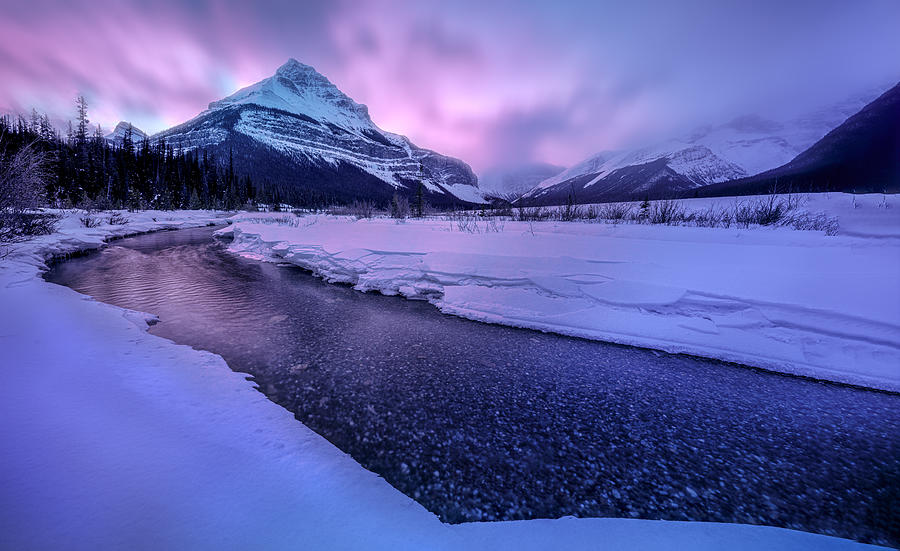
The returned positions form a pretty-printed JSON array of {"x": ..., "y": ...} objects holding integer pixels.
[{"x": 83, "y": 169}]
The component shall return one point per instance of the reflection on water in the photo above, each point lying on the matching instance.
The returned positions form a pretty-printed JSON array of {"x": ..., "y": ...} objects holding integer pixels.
[{"x": 480, "y": 422}]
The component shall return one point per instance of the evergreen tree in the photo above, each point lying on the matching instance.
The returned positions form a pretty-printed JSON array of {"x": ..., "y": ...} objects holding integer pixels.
[
  {"x": 35, "y": 121},
  {"x": 128, "y": 140},
  {"x": 81, "y": 107},
  {"x": 195, "y": 203},
  {"x": 420, "y": 201}
]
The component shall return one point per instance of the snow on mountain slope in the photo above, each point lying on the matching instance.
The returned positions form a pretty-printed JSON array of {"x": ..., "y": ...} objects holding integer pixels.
[
  {"x": 742, "y": 147},
  {"x": 697, "y": 163},
  {"x": 670, "y": 167},
  {"x": 590, "y": 165},
  {"x": 117, "y": 136},
  {"x": 316, "y": 132}
]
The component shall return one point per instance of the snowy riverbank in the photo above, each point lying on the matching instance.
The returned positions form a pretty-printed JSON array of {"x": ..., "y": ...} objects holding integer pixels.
[
  {"x": 798, "y": 302},
  {"x": 113, "y": 438}
]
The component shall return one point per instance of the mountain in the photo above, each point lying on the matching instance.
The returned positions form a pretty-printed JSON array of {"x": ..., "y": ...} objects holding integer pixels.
[
  {"x": 511, "y": 181},
  {"x": 860, "y": 155},
  {"x": 117, "y": 136},
  {"x": 671, "y": 168},
  {"x": 737, "y": 149},
  {"x": 298, "y": 131}
]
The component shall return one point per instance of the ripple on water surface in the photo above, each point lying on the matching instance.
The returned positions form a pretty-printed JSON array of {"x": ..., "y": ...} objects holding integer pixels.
[{"x": 481, "y": 422}]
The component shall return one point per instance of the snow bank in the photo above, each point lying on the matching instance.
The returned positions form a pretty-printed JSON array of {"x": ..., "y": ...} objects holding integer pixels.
[
  {"x": 790, "y": 301},
  {"x": 113, "y": 438}
]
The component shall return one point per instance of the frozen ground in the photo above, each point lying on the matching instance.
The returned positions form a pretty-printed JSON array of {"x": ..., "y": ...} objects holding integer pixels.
[
  {"x": 113, "y": 438},
  {"x": 792, "y": 301}
]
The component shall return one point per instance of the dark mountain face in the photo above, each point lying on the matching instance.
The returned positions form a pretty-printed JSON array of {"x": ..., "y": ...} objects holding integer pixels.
[
  {"x": 297, "y": 131},
  {"x": 861, "y": 155}
]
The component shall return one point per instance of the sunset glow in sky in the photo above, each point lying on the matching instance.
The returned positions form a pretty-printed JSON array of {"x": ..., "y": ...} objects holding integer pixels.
[{"x": 489, "y": 82}]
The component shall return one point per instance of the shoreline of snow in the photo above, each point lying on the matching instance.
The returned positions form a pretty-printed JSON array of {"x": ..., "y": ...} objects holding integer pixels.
[
  {"x": 787, "y": 301},
  {"x": 116, "y": 438}
]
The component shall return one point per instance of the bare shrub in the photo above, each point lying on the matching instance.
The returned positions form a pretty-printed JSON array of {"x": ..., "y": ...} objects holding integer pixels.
[
  {"x": 469, "y": 222},
  {"x": 570, "y": 211},
  {"x": 88, "y": 220},
  {"x": 358, "y": 209},
  {"x": 667, "y": 212},
  {"x": 815, "y": 222},
  {"x": 117, "y": 219},
  {"x": 465, "y": 221},
  {"x": 530, "y": 214},
  {"x": 742, "y": 213},
  {"x": 493, "y": 226},
  {"x": 713, "y": 217},
  {"x": 362, "y": 209},
  {"x": 771, "y": 211},
  {"x": 399, "y": 207},
  {"x": 504, "y": 210},
  {"x": 614, "y": 212},
  {"x": 23, "y": 177}
]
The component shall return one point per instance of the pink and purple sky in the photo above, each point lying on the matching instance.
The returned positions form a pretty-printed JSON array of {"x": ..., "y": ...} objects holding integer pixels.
[{"x": 488, "y": 82}]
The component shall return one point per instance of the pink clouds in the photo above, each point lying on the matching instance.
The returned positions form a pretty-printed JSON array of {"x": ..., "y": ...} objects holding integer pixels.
[
  {"x": 107, "y": 54},
  {"x": 487, "y": 82}
]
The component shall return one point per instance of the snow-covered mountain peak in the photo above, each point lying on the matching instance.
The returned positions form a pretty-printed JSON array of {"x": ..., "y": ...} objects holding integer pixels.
[
  {"x": 117, "y": 136},
  {"x": 299, "y": 89},
  {"x": 302, "y": 74}
]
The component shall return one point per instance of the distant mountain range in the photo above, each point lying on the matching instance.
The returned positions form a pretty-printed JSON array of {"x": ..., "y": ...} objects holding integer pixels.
[
  {"x": 509, "y": 182},
  {"x": 296, "y": 130},
  {"x": 710, "y": 155}
]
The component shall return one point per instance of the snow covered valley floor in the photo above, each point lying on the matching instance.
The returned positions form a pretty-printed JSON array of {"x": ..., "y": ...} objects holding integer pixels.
[
  {"x": 483, "y": 422},
  {"x": 116, "y": 438}
]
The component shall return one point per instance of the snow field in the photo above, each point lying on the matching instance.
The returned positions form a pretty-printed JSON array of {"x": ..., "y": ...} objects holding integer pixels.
[{"x": 113, "y": 438}]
